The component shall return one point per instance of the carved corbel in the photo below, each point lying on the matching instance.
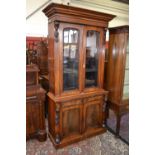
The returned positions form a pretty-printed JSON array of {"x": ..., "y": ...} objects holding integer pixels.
[{"x": 56, "y": 33}]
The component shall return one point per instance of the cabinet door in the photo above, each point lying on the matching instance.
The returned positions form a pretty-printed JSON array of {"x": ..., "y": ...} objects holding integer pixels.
[
  {"x": 92, "y": 113},
  {"x": 71, "y": 57},
  {"x": 32, "y": 119},
  {"x": 93, "y": 58},
  {"x": 71, "y": 117}
]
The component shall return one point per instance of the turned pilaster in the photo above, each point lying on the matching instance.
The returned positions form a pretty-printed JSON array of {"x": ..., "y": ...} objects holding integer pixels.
[{"x": 57, "y": 123}]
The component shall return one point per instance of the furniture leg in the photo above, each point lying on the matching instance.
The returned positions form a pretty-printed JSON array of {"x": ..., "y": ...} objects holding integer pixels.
[
  {"x": 106, "y": 113},
  {"x": 118, "y": 125}
]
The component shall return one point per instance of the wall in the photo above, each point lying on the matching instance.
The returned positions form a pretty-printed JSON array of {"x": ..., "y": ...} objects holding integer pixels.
[{"x": 37, "y": 24}]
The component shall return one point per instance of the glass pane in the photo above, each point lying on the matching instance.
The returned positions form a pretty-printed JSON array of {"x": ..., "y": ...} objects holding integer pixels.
[
  {"x": 126, "y": 91},
  {"x": 127, "y": 61},
  {"x": 70, "y": 59},
  {"x": 73, "y": 36},
  {"x": 65, "y": 36},
  {"x": 92, "y": 48},
  {"x": 127, "y": 48},
  {"x": 126, "y": 79}
]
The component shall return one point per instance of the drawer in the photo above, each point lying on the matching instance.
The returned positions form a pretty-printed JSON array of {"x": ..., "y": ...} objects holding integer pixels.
[
  {"x": 71, "y": 103},
  {"x": 94, "y": 98}
]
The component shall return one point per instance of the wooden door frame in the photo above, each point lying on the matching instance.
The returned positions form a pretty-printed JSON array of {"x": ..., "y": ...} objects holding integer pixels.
[
  {"x": 101, "y": 58},
  {"x": 80, "y": 28}
]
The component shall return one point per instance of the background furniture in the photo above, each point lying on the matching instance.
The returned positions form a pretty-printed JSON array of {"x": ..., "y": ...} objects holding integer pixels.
[
  {"x": 42, "y": 61},
  {"x": 44, "y": 81},
  {"x": 117, "y": 72},
  {"x": 37, "y": 53},
  {"x": 76, "y": 44},
  {"x": 42, "y": 57},
  {"x": 35, "y": 96},
  {"x": 31, "y": 53}
]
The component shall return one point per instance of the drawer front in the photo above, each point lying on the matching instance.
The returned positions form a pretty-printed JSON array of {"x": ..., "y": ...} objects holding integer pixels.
[
  {"x": 71, "y": 103},
  {"x": 93, "y": 98}
]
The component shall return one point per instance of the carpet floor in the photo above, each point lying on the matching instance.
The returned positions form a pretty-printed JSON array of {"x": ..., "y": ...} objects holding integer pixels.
[
  {"x": 124, "y": 125},
  {"x": 104, "y": 144}
]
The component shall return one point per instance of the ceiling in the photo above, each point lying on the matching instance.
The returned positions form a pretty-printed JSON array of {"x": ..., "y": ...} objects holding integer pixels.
[{"x": 122, "y": 1}]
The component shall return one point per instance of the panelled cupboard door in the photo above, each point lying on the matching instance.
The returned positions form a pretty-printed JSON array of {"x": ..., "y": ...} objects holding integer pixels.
[
  {"x": 32, "y": 113},
  {"x": 71, "y": 117},
  {"x": 70, "y": 58},
  {"x": 93, "y": 58},
  {"x": 83, "y": 116},
  {"x": 92, "y": 112}
]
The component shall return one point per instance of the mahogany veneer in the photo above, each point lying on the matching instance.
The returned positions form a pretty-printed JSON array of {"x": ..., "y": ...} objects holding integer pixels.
[{"x": 76, "y": 49}]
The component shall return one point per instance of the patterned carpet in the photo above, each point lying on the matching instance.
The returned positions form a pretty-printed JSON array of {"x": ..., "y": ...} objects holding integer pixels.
[{"x": 104, "y": 144}]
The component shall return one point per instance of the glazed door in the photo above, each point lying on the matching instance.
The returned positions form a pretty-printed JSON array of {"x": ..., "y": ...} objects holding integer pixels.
[
  {"x": 93, "y": 64},
  {"x": 71, "y": 58}
]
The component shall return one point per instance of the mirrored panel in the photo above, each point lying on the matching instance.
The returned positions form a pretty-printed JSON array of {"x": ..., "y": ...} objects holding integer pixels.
[
  {"x": 70, "y": 59},
  {"x": 91, "y": 66}
]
